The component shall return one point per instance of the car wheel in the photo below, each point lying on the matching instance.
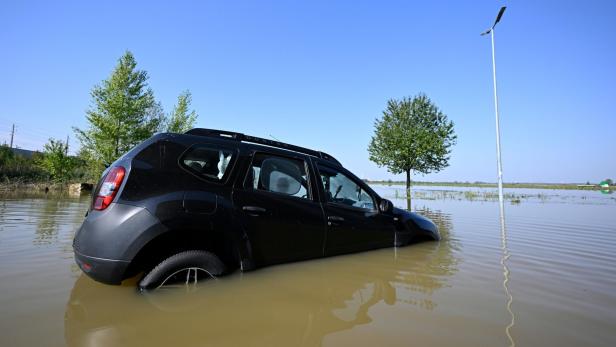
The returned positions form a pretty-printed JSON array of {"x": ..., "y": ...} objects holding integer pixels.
[{"x": 183, "y": 269}]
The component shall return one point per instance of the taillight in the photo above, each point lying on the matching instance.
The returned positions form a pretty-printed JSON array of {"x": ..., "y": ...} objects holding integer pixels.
[{"x": 109, "y": 188}]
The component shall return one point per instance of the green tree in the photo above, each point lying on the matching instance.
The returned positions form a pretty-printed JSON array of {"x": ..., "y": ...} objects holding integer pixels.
[
  {"x": 55, "y": 161},
  {"x": 17, "y": 168},
  {"x": 123, "y": 113},
  {"x": 412, "y": 136},
  {"x": 181, "y": 119},
  {"x": 6, "y": 155}
]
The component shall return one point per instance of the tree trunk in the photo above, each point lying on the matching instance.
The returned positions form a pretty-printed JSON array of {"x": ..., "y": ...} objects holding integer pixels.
[{"x": 408, "y": 189}]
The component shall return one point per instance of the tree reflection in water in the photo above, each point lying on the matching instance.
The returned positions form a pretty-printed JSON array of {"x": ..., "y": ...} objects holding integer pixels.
[
  {"x": 47, "y": 226},
  {"x": 294, "y": 304}
]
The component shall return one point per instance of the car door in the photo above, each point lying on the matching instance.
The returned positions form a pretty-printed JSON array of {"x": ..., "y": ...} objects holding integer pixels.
[
  {"x": 280, "y": 214},
  {"x": 353, "y": 220}
]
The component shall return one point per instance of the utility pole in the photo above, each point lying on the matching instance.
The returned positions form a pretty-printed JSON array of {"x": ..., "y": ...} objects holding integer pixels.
[
  {"x": 12, "y": 135},
  {"x": 66, "y": 148}
]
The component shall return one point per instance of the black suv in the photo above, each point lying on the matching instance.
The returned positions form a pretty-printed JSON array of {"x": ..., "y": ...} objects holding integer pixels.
[{"x": 182, "y": 206}]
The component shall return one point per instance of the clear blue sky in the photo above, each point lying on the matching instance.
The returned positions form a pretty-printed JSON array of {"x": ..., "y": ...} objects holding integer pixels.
[{"x": 318, "y": 73}]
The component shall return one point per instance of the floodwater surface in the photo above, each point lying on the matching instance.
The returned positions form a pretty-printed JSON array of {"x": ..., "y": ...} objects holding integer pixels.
[{"x": 547, "y": 279}]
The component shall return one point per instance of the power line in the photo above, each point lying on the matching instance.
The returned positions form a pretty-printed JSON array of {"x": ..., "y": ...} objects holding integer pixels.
[
  {"x": 31, "y": 138},
  {"x": 46, "y": 133}
]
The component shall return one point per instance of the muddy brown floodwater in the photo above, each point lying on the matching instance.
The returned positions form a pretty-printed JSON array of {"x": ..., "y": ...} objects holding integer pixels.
[{"x": 551, "y": 281}]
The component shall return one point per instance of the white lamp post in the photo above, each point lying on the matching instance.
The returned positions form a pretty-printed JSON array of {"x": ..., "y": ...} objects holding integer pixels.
[{"x": 498, "y": 150}]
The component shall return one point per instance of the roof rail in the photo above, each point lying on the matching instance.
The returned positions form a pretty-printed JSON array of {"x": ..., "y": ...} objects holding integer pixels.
[{"x": 253, "y": 139}]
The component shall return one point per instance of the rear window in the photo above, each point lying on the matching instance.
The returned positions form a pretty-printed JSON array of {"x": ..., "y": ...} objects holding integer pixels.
[{"x": 207, "y": 161}]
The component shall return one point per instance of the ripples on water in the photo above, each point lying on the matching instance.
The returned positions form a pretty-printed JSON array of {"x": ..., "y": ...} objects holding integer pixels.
[{"x": 562, "y": 281}]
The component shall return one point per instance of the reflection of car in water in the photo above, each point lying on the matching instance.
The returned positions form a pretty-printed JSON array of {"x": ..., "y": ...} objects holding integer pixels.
[
  {"x": 183, "y": 206},
  {"x": 297, "y": 304}
]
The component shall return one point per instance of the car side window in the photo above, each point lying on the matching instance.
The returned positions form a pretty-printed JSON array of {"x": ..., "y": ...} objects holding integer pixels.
[
  {"x": 207, "y": 161},
  {"x": 278, "y": 175},
  {"x": 341, "y": 189}
]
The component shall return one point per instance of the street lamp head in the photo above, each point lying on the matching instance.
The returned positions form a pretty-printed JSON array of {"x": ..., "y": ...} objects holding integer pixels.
[{"x": 498, "y": 18}]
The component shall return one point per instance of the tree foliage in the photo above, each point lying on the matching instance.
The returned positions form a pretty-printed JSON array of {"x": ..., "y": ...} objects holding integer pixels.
[
  {"x": 412, "y": 136},
  {"x": 6, "y": 155},
  {"x": 17, "y": 168},
  {"x": 56, "y": 162},
  {"x": 123, "y": 113},
  {"x": 180, "y": 120}
]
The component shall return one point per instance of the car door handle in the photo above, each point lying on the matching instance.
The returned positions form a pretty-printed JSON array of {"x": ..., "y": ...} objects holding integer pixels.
[
  {"x": 334, "y": 220},
  {"x": 254, "y": 210}
]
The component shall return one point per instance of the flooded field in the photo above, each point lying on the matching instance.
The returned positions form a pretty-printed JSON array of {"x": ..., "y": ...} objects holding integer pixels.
[{"x": 550, "y": 282}]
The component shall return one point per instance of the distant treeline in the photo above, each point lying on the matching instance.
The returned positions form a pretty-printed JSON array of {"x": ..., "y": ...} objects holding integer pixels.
[
  {"x": 588, "y": 186},
  {"x": 18, "y": 168}
]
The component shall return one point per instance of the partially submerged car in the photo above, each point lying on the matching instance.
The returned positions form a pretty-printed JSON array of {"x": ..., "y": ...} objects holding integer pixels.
[{"x": 179, "y": 207}]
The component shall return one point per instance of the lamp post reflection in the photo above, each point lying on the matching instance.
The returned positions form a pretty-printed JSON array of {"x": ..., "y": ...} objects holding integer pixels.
[{"x": 504, "y": 260}]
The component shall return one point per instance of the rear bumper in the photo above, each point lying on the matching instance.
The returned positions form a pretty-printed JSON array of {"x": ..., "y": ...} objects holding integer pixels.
[
  {"x": 109, "y": 240},
  {"x": 108, "y": 271}
]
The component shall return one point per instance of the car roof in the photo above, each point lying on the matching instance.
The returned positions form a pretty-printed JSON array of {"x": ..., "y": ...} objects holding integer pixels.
[{"x": 259, "y": 143}]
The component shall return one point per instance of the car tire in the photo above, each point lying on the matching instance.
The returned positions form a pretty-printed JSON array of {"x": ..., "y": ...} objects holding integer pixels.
[{"x": 196, "y": 260}]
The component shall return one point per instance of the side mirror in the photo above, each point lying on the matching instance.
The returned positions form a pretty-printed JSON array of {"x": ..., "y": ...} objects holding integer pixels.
[{"x": 386, "y": 206}]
